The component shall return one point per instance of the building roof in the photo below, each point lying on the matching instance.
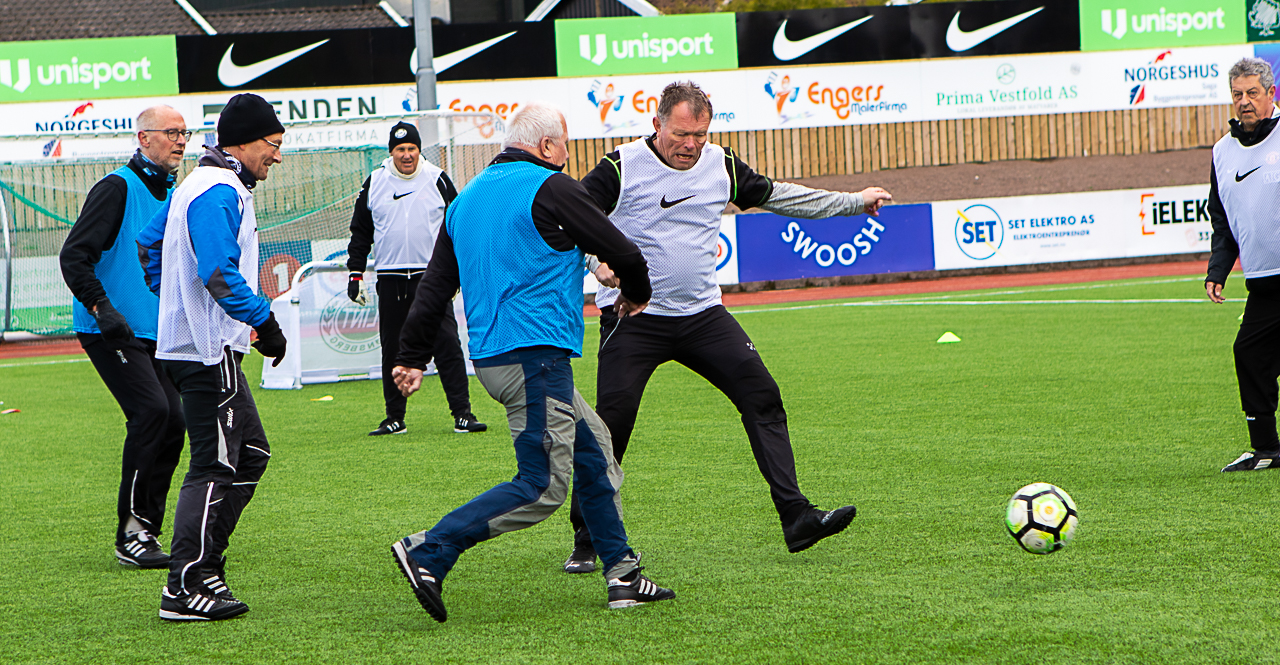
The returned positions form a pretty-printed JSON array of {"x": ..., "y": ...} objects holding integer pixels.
[{"x": 31, "y": 20}]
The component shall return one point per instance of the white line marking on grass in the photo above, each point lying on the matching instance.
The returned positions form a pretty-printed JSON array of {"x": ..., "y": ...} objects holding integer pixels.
[
  {"x": 48, "y": 362},
  {"x": 973, "y": 303},
  {"x": 1076, "y": 287}
]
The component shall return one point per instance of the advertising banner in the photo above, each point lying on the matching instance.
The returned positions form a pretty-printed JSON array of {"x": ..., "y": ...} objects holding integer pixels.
[
  {"x": 773, "y": 247},
  {"x": 1263, "y": 20},
  {"x": 370, "y": 56},
  {"x": 79, "y": 68},
  {"x": 1071, "y": 227},
  {"x": 1109, "y": 25},
  {"x": 646, "y": 44},
  {"x": 994, "y": 28}
]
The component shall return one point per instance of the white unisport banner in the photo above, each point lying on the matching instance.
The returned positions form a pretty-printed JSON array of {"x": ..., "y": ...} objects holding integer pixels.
[{"x": 1071, "y": 227}]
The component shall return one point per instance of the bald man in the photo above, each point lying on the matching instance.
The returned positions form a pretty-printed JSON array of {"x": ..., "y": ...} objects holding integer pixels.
[{"x": 115, "y": 315}]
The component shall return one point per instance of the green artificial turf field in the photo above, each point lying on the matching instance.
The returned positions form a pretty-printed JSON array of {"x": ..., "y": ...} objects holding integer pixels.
[{"x": 1130, "y": 406}]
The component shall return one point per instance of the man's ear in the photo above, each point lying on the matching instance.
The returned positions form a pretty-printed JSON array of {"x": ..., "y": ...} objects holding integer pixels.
[{"x": 657, "y": 126}]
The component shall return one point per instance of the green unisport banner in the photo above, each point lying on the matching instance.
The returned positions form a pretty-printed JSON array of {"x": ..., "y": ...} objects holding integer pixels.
[
  {"x": 88, "y": 69},
  {"x": 1264, "y": 20},
  {"x": 1109, "y": 25},
  {"x": 646, "y": 45}
]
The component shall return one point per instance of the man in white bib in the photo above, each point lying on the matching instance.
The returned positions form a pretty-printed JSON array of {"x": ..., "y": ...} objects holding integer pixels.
[
  {"x": 666, "y": 193},
  {"x": 1244, "y": 188},
  {"x": 399, "y": 213}
]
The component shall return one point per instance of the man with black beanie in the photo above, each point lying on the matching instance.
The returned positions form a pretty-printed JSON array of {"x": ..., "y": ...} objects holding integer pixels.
[
  {"x": 114, "y": 316},
  {"x": 399, "y": 213},
  {"x": 200, "y": 254}
]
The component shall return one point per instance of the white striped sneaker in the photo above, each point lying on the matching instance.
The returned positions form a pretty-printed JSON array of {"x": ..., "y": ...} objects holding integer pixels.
[
  {"x": 637, "y": 590},
  {"x": 141, "y": 550},
  {"x": 1255, "y": 460},
  {"x": 198, "y": 606}
]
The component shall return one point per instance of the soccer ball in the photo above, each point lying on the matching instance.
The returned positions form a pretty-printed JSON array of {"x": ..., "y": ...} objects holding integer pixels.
[{"x": 1042, "y": 518}]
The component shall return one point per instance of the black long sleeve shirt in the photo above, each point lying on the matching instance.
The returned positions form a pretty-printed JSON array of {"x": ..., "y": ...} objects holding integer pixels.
[
  {"x": 566, "y": 217},
  {"x": 97, "y": 228},
  {"x": 1223, "y": 246}
]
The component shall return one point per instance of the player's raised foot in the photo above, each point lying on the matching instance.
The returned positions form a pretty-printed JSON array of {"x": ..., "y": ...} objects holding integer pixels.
[
  {"x": 635, "y": 589},
  {"x": 813, "y": 525},
  {"x": 1255, "y": 460},
  {"x": 466, "y": 424},
  {"x": 581, "y": 560},
  {"x": 199, "y": 605},
  {"x": 425, "y": 586},
  {"x": 390, "y": 426},
  {"x": 141, "y": 550}
]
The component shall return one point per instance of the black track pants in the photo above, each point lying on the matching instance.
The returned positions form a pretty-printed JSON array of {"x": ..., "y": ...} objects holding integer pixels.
[
  {"x": 395, "y": 296},
  {"x": 1257, "y": 353},
  {"x": 229, "y": 454},
  {"x": 153, "y": 427},
  {"x": 712, "y": 344}
]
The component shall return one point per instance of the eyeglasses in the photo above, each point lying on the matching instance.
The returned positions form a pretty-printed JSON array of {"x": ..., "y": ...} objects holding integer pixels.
[
  {"x": 273, "y": 145},
  {"x": 173, "y": 134}
]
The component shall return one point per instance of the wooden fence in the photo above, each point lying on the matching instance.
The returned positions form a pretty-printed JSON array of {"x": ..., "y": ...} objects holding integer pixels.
[{"x": 818, "y": 151}]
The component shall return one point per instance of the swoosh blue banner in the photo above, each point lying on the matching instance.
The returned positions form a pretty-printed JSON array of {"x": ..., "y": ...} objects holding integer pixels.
[{"x": 927, "y": 30}]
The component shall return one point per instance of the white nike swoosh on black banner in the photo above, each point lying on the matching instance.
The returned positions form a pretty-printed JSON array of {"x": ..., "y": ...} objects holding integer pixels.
[
  {"x": 960, "y": 40},
  {"x": 443, "y": 62},
  {"x": 786, "y": 49},
  {"x": 233, "y": 76}
]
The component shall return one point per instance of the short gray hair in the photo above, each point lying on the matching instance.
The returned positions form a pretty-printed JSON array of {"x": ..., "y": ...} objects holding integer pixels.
[
  {"x": 680, "y": 92},
  {"x": 534, "y": 122},
  {"x": 1250, "y": 66}
]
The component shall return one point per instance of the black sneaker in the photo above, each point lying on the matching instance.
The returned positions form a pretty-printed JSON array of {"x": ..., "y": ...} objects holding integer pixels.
[
  {"x": 635, "y": 589},
  {"x": 215, "y": 579},
  {"x": 198, "y": 605},
  {"x": 142, "y": 551},
  {"x": 581, "y": 560},
  {"x": 390, "y": 426},
  {"x": 467, "y": 424},
  {"x": 813, "y": 525},
  {"x": 424, "y": 584},
  {"x": 1255, "y": 460}
]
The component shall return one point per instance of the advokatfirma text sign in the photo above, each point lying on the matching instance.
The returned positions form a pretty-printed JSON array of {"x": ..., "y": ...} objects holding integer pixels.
[
  {"x": 643, "y": 45},
  {"x": 87, "y": 69},
  {"x": 1112, "y": 25}
]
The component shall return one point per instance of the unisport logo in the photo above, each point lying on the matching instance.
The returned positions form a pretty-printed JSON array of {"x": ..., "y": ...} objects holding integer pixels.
[
  {"x": 645, "y": 47},
  {"x": 73, "y": 73},
  {"x": 1164, "y": 21},
  {"x": 24, "y": 74}
]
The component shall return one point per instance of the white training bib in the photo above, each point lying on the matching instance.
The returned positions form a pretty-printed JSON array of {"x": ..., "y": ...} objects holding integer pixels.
[
  {"x": 1249, "y": 186},
  {"x": 407, "y": 214},
  {"x": 674, "y": 217}
]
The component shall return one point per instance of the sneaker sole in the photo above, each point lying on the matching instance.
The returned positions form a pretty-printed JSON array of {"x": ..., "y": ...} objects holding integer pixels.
[
  {"x": 134, "y": 563},
  {"x": 631, "y": 602},
  {"x": 832, "y": 529},
  {"x": 574, "y": 567},
  {"x": 469, "y": 431},
  {"x": 402, "y": 431},
  {"x": 168, "y": 615},
  {"x": 433, "y": 606}
]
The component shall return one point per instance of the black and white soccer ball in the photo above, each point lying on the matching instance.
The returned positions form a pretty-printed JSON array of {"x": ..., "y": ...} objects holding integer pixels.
[{"x": 1042, "y": 518}]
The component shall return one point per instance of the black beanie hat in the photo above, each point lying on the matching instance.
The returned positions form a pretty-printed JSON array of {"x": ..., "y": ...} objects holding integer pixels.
[
  {"x": 404, "y": 132},
  {"x": 247, "y": 118}
]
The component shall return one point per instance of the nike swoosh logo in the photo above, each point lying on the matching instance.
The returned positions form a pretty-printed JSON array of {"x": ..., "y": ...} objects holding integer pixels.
[
  {"x": 441, "y": 63},
  {"x": 959, "y": 40},
  {"x": 1246, "y": 175},
  {"x": 667, "y": 204},
  {"x": 397, "y": 197},
  {"x": 233, "y": 76},
  {"x": 785, "y": 49}
]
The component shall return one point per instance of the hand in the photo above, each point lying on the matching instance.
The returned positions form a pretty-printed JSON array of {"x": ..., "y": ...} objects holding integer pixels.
[
  {"x": 354, "y": 288},
  {"x": 271, "y": 340},
  {"x": 1214, "y": 291},
  {"x": 111, "y": 323},
  {"x": 625, "y": 308},
  {"x": 874, "y": 198},
  {"x": 407, "y": 379},
  {"x": 604, "y": 275}
]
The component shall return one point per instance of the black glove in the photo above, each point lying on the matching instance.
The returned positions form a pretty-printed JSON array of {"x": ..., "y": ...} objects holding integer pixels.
[
  {"x": 353, "y": 288},
  {"x": 112, "y": 324},
  {"x": 271, "y": 341}
]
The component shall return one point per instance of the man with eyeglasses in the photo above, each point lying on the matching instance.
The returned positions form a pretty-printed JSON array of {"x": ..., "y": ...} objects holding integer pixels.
[
  {"x": 200, "y": 254},
  {"x": 1242, "y": 207},
  {"x": 114, "y": 316}
]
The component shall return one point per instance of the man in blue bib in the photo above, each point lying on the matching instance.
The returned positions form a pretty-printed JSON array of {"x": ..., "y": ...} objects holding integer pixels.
[
  {"x": 513, "y": 241},
  {"x": 114, "y": 316}
]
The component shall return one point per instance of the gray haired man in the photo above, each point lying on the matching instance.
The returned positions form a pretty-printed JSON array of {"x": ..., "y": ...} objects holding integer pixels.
[{"x": 1246, "y": 225}]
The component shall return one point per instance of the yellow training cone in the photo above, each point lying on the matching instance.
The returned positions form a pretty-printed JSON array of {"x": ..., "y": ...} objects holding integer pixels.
[
  {"x": 326, "y": 398},
  {"x": 948, "y": 337}
]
